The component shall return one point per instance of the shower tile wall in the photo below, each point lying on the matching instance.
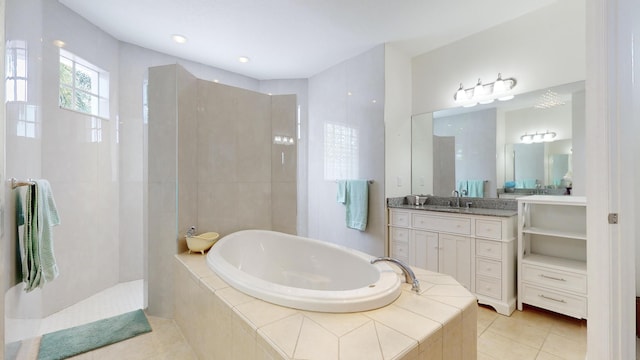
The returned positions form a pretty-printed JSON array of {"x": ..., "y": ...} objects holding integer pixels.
[
  {"x": 83, "y": 172},
  {"x": 223, "y": 156}
]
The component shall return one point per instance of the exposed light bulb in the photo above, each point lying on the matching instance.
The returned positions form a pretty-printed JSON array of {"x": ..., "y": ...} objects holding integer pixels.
[
  {"x": 538, "y": 138},
  {"x": 461, "y": 94},
  {"x": 498, "y": 86},
  {"x": 478, "y": 91},
  {"x": 527, "y": 139}
]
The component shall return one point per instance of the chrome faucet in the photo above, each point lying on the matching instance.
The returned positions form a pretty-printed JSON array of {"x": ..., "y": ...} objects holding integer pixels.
[
  {"x": 191, "y": 232},
  {"x": 456, "y": 194},
  {"x": 409, "y": 276}
]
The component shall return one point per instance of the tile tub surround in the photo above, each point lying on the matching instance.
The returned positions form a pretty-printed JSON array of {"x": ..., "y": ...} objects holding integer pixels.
[{"x": 222, "y": 323}]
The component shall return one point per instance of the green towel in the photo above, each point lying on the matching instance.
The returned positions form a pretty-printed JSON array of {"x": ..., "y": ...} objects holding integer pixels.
[
  {"x": 341, "y": 196},
  {"x": 357, "y": 203},
  {"x": 38, "y": 263},
  {"x": 476, "y": 188}
]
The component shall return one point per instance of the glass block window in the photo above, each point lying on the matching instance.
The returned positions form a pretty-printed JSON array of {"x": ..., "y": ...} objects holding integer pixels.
[
  {"x": 83, "y": 86},
  {"x": 340, "y": 152}
]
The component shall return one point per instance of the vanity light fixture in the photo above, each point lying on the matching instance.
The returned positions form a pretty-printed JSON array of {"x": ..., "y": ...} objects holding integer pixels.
[
  {"x": 546, "y": 136},
  {"x": 485, "y": 93}
]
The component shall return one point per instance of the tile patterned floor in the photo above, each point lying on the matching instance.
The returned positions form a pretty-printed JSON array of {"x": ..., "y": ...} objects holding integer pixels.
[{"x": 530, "y": 334}]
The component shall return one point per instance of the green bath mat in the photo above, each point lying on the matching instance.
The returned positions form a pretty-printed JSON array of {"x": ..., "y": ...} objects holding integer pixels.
[{"x": 77, "y": 340}]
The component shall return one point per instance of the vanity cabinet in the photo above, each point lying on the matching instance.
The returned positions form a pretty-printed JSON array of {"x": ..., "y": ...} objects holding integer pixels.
[
  {"x": 552, "y": 252},
  {"x": 478, "y": 251},
  {"x": 441, "y": 252}
]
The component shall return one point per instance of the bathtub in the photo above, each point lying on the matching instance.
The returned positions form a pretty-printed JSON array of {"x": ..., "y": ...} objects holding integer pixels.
[{"x": 303, "y": 273}]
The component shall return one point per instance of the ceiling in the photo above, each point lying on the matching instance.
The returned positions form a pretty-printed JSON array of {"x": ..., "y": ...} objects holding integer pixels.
[{"x": 288, "y": 39}]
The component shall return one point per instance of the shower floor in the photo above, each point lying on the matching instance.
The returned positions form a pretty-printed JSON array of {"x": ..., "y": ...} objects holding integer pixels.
[{"x": 118, "y": 299}]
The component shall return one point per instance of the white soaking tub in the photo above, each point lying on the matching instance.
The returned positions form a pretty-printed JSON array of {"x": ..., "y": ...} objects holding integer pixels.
[{"x": 303, "y": 273}]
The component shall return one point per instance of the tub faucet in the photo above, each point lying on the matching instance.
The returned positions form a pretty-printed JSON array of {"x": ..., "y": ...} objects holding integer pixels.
[
  {"x": 409, "y": 276},
  {"x": 191, "y": 232}
]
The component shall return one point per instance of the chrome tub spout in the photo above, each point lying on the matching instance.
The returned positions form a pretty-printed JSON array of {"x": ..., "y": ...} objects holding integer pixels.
[{"x": 409, "y": 276}]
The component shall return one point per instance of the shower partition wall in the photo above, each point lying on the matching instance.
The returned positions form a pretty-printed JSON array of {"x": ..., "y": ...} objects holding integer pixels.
[{"x": 213, "y": 163}]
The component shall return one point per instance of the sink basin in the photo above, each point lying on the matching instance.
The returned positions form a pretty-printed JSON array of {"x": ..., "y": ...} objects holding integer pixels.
[{"x": 201, "y": 243}]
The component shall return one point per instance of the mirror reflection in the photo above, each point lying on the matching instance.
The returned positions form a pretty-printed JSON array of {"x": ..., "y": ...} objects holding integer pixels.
[{"x": 503, "y": 149}]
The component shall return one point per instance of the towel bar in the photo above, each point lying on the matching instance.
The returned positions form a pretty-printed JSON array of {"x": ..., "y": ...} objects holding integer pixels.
[
  {"x": 369, "y": 181},
  {"x": 17, "y": 183}
]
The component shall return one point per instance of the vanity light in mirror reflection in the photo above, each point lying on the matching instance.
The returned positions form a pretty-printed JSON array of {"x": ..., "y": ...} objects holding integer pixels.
[{"x": 454, "y": 145}]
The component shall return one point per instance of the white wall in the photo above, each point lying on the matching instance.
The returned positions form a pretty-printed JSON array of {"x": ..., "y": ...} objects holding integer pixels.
[
  {"x": 397, "y": 120},
  {"x": 540, "y": 49},
  {"x": 330, "y": 102}
]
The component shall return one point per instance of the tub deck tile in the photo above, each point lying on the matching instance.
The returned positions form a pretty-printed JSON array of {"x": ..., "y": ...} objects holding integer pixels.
[
  {"x": 233, "y": 297},
  {"x": 424, "y": 306},
  {"x": 283, "y": 334},
  {"x": 316, "y": 342},
  {"x": 260, "y": 313},
  {"x": 338, "y": 324},
  {"x": 439, "y": 323},
  {"x": 417, "y": 327},
  {"x": 362, "y": 343},
  {"x": 393, "y": 343}
]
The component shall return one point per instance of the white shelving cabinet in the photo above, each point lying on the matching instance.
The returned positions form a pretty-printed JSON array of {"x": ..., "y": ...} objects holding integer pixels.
[{"x": 552, "y": 253}]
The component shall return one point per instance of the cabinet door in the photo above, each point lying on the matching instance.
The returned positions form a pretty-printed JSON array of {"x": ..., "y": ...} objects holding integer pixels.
[
  {"x": 425, "y": 250},
  {"x": 455, "y": 258}
]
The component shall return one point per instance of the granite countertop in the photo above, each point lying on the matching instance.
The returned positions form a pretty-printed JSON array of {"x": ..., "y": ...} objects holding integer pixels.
[{"x": 460, "y": 210}]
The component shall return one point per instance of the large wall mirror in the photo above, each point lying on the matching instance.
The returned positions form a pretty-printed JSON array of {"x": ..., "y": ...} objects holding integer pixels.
[{"x": 523, "y": 143}]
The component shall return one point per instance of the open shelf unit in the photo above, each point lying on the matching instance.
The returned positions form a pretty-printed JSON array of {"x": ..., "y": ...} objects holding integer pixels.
[{"x": 552, "y": 245}]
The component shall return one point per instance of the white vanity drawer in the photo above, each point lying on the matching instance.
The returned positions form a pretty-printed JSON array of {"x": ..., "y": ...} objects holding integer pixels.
[
  {"x": 489, "y": 287},
  {"x": 400, "y": 250},
  {"x": 399, "y": 234},
  {"x": 442, "y": 224},
  {"x": 490, "y": 249},
  {"x": 557, "y": 279},
  {"x": 489, "y": 229},
  {"x": 564, "y": 303},
  {"x": 399, "y": 218},
  {"x": 489, "y": 268}
]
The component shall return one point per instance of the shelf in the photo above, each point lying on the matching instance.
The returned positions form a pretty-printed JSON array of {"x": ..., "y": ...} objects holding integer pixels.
[
  {"x": 558, "y": 233},
  {"x": 554, "y": 200},
  {"x": 556, "y": 263}
]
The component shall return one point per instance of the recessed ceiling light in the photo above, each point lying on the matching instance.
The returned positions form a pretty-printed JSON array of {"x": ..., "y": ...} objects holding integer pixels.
[
  {"x": 179, "y": 38},
  {"x": 243, "y": 59},
  {"x": 58, "y": 43}
]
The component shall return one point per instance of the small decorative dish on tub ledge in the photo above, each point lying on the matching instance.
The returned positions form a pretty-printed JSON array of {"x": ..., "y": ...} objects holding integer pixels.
[{"x": 201, "y": 243}]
